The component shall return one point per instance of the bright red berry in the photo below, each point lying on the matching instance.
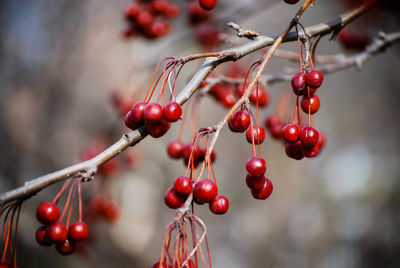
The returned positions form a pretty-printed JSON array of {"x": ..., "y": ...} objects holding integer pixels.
[
  {"x": 172, "y": 112},
  {"x": 47, "y": 212},
  {"x": 309, "y": 136},
  {"x": 255, "y": 182},
  {"x": 311, "y": 103},
  {"x": 183, "y": 186},
  {"x": 153, "y": 113},
  {"x": 78, "y": 231},
  {"x": 256, "y": 166},
  {"x": 56, "y": 233},
  {"x": 41, "y": 236},
  {"x": 205, "y": 190},
  {"x": 219, "y": 205},
  {"x": 299, "y": 83},
  {"x": 173, "y": 200},
  {"x": 294, "y": 150},
  {"x": 208, "y": 4},
  {"x": 264, "y": 192},
  {"x": 65, "y": 248},
  {"x": 290, "y": 133},
  {"x": 257, "y": 132},
  {"x": 175, "y": 149},
  {"x": 239, "y": 121},
  {"x": 314, "y": 79}
]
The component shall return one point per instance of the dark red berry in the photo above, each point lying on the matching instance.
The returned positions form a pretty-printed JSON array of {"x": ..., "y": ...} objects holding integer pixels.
[
  {"x": 65, "y": 248},
  {"x": 56, "y": 233},
  {"x": 239, "y": 121},
  {"x": 78, "y": 231},
  {"x": 309, "y": 91},
  {"x": 299, "y": 83},
  {"x": 257, "y": 132},
  {"x": 310, "y": 152},
  {"x": 311, "y": 103},
  {"x": 219, "y": 205},
  {"x": 294, "y": 150},
  {"x": 153, "y": 113},
  {"x": 158, "y": 130},
  {"x": 256, "y": 166},
  {"x": 41, "y": 236},
  {"x": 172, "y": 112},
  {"x": 261, "y": 95},
  {"x": 173, "y": 200},
  {"x": 264, "y": 192},
  {"x": 175, "y": 149},
  {"x": 130, "y": 123},
  {"x": 272, "y": 120},
  {"x": 47, "y": 213},
  {"x": 183, "y": 186},
  {"x": 6, "y": 265},
  {"x": 290, "y": 133},
  {"x": 205, "y": 190},
  {"x": 314, "y": 79},
  {"x": 309, "y": 136},
  {"x": 291, "y": 2},
  {"x": 255, "y": 182},
  {"x": 208, "y": 4},
  {"x": 187, "y": 151}
]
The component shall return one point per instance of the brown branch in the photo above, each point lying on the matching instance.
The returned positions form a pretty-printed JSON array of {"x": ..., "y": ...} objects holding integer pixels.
[{"x": 33, "y": 186}]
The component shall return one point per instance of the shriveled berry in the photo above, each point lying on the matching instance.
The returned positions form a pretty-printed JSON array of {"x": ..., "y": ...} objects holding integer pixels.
[
  {"x": 309, "y": 136},
  {"x": 294, "y": 150},
  {"x": 311, "y": 103},
  {"x": 47, "y": 212},
  {"x": 256, "y": 166},
  {"x": 314, "y": 79},
  {"x": 78, "y": 231},
  {"x": 172, "y": 112},
  {"x": 257, "y": 132},
  {"x": 255, "y": 182},
  {"x": 205, "y": 190},
  {"x": 239, "y": 121},
  {"x": 299, "y": 83},
  {"x": 173, "y": 200},
  {"x": 219, "y": 205},
  {"x": 56, "y": 233},
  {"x": 208, "y": 4},
  {"x": 290, "y": 133},
  {"x": 264, "y": 192},
  {"x": 65, "y": 248},
  {"x": 183, "y": 186},
  {"x": 175, "y": 149},
  {"x": 41, "y": 236}
]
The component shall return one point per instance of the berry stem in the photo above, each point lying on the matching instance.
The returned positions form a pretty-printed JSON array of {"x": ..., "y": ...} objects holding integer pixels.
[
  {"x": 80, "y": 200},
  {"x": 65, "y": 185}
]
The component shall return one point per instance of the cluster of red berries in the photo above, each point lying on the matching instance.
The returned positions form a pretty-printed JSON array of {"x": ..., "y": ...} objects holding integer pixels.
[
  {"x": 204, "y": 191},
  {"x": 176, "y": 149},
  {"x": 147, "y": 18},
  {"x": 101, "y": 208},
  {"x": 353, "y": 41},
  {"x": 55, "y": 232},
  {"x": 260, "y": 186},
  {"x": 306, "y": 84},
  {"x": 156, "y": 118}
]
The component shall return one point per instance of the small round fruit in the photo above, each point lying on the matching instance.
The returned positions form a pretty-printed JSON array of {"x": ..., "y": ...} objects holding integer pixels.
[
  {"x": 78, "y": 231},
  {"x": 256, "y": 166},
  {"x": 130, "y": 123},
  {"x": 239, "y": 121},
  {"x": 314, "y": 79},
  {"x": 56, "y": 233},
  {"x": 132, "y": 10},
  {"x": 65, "y": 248},
  {"x": 255, "y": 182},
  {"x": 291, "y": 2},
  {"x": 183, "y": 186},
  {"x": 290, "y": 133},
  {"x": 219, "y": 205},
  {"x": 137, "y": 112},
  {"x": 272, "y": 121},
  {"x": 258, "y": 132},
  {"x": 322, "y": 140},
  {"x": 276, "y": 131},
  {"x": 311, "y": 103},
  {"x": 153, "y": 113},
  {"x": 41, "y": 236},
  {"x": 261, "y": 96},
  {"x": 208, "y": 4},
  {"x": 294, "y": 150},
  {"x": 309, "y": 136},
  {"x": 205, "y": 190},
  {"x": 310, "y": 152},
  {"x": 173, "y": 200},
  {"x": 172, "y": 112},
  {"x": 264, "y": 192},
  {"x": 158, "y": 130},
  {"x": 175, "y": 149},
  {"x": 299, "y": 83},
  {"x": 47, "y": 213}
]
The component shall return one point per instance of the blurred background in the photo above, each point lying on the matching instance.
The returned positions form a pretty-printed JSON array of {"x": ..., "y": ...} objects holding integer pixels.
[{"x": 65, "y": 69}]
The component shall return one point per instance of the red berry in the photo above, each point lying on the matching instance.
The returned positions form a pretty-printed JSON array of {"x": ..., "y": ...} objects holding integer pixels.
[
  {"x": 309, "y": 136},
  {"x": 41, "y": 236},
  {"x": 183, "y": 186},
  {"x": 294, "y": 150},
  {"x": 322, "y": 140},
  {"x": 261, "y": 95},
  {"x": 65, "y": 248},
  {"x": 56, "y": 233},
  {"x": 47, "y": 213},
  {"x": 130, "y": 123},
  {"x": 225, "y": 96},
  {"x": 314, "y": 79},
  {"x": 153, "y": 113},
  {"x": 256, "y": 166},
  {"x": 255, "y": 182},
  {"x": 173, "y": 11},
  {"x": 137, "y": 113},
  {"x": 196, "y": 14},
  {"x": 239, "y": 121},
  {"x": 213, "y": 156},
  {"x": 272, "y": 120},
  {"x": 290, "y": 133},
  {"x": 309, "y": 91},
  {"x": 78, "y": 231},
  {"x": 172, "y": 111},
  {"x": 159, "y": 6},
  {"x": 311, "y": 103},
  {"x": 257, "y": 132},
  {"x": 276, "y": 131},
  {"x": 173, "y": 200},
  {"x": 310, "y": 152},
  {"x": 264, "y": 192},
  {"x": 187, "y": 151},
  {"x": 132, "y": 11},
  {"x": 205, "y": 190},
  {"x": 219, "y": 205},
  {"x": 208, "y": 4},
  {"x": 299, "y": 83},
  {"x": 175, "y": 149},
  {"x": 144, "y": 18},
  {"x": 291, "y": 2},
  {"x": 158, "y": 29},
  {"x": 158, "y": 130}
]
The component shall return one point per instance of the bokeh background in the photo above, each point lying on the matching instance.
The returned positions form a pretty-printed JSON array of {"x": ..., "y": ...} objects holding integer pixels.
[{"x": 60, "y": 63}]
